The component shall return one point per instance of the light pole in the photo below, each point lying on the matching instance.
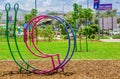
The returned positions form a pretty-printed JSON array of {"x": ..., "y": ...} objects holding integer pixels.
[
  {"x": 118, "y": 2},
  {"x": 36, "y": 4},
  {"x": 87, "y": 28},
  {"x": 87, "y": 3},
  {"x": 63, "y": 8},
  {"x": 99, "y": 21}
]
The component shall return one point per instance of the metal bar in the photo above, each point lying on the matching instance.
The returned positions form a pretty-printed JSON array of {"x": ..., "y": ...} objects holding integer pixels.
[
  {"x": 53, "y": 63},
  {"x": 74, "y": 18},
  {"x": 7, "y": 8},
  {"x": 98, "y": 24},
  {"x": 16, "y": 7}
]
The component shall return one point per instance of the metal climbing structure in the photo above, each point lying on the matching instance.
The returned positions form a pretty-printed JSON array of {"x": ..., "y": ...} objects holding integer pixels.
[
  {"x": 15, "y": 50},
  {"x": 26, "y": 66}
]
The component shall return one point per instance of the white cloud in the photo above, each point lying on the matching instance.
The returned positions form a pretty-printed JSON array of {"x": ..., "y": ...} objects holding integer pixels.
[
  {"x": 78, "y": 1},
  {"x": 47, "y": 3}
]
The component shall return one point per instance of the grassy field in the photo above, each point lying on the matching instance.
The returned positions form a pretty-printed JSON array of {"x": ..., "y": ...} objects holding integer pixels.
[{"x": 97, "y": 50}]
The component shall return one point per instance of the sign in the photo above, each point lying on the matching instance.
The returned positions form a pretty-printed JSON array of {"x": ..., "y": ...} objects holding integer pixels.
[
  {"x": 105, "y": 7},
  {"x": 96, "y": 4},
  {"x": 96, "y": 1}
]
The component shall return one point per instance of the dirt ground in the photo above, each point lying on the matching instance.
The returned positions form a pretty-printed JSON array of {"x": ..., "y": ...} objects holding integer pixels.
[{"x": 75, "y": 69}]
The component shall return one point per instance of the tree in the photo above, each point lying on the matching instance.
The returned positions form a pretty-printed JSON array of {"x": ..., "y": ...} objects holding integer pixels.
[
  {"x": 63, "y": 31},
  {"x": 1, "y": 30},
  {"x": 52, "y": 13},
  {"x": 118, "y": 20},
  {"x": 69, "y": 18},
  {"x": 82, "y": 15},
  {"x": 88, "y": 14},
  {"x": 33, "y": 13},
  {"x": 28, "y": 17},
  {"x": 107, "y": 13},
  {"x": 49, "y": 33},
  {"x": 91, "y": 29}
]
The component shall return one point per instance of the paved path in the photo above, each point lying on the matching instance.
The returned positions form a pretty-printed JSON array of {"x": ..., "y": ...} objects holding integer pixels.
[{"x": 110, "y": 40}]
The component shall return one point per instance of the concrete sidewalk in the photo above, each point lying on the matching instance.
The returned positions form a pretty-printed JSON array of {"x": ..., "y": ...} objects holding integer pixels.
[{"x": 110, "y": 40}]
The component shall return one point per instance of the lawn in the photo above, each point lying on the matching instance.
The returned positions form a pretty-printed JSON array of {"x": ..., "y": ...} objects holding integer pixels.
[{"x": 97, "y": 50}]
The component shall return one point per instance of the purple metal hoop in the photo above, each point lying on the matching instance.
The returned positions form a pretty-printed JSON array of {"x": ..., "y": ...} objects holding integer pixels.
[{"x": 35, "y": 21}]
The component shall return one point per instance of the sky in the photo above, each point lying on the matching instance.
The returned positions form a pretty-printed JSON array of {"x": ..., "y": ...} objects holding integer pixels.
[{"x": 55, "y": 5}]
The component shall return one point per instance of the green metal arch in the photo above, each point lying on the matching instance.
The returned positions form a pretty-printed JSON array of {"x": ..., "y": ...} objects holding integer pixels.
[{"x": 7, "y": 8}]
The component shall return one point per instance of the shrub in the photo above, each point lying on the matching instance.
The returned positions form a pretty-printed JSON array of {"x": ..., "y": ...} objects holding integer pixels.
[
  {"x": 104, "y": 37},
  {"x": 92, "y": 36},
  {"x": 116, "y": 36},
  {"x": 91, "y": 30},
  {"x": 65, "y": 37},
  {"x": 47, "y": 32}
]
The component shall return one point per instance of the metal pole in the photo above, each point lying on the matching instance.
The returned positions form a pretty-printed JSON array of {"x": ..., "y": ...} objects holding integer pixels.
[
  {"x": 87, "y": 29},
  {"x": 63, "y": 9},
  {"x": 74, "y": 18},
  {"x": 36, "y": 4},
  {"x": 99, "y": 22},
  {"x": 87, "y": 3}
]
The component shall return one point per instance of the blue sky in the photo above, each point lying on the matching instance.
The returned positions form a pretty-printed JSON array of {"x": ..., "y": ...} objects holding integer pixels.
[{"x": 55, "y": 5}]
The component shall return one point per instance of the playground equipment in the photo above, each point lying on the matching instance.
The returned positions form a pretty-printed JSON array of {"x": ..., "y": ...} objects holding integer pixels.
[{"x": 28, "y": 67}]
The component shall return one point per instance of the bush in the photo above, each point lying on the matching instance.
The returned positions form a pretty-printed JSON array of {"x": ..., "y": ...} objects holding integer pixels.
[
  {"x": 91, "y": 30},
  {"x": 116, "y": 36},
  {"x": 63, "y": 31},
  {"x": 65, "y": 37},
  {"x": 104, "y": 37},
  {"x": 92, "y": 36},
  {"x": 2, "y": 31},
  {"x": 47, "y": 32}
]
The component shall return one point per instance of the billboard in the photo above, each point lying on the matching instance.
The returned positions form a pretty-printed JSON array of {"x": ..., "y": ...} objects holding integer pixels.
[
  {"x": 105, "y": 7},
  {"x": 108, "y": 23}
]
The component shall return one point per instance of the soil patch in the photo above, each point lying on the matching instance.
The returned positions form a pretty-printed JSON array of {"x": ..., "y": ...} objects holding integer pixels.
[{"x": 75, "y": 69}]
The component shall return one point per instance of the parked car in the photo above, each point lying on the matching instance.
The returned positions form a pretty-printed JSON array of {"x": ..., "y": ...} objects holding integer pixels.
[{"x": 114, "y": 32}]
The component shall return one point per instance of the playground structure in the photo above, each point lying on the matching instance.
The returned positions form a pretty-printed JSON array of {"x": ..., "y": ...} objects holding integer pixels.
[{"x": 28, "y": 67}]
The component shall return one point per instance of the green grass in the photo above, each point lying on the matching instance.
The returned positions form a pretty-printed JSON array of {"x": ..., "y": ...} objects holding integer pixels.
[
  {"x": 100, "y": 50},
  {"x": 97, "y": 50}
]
